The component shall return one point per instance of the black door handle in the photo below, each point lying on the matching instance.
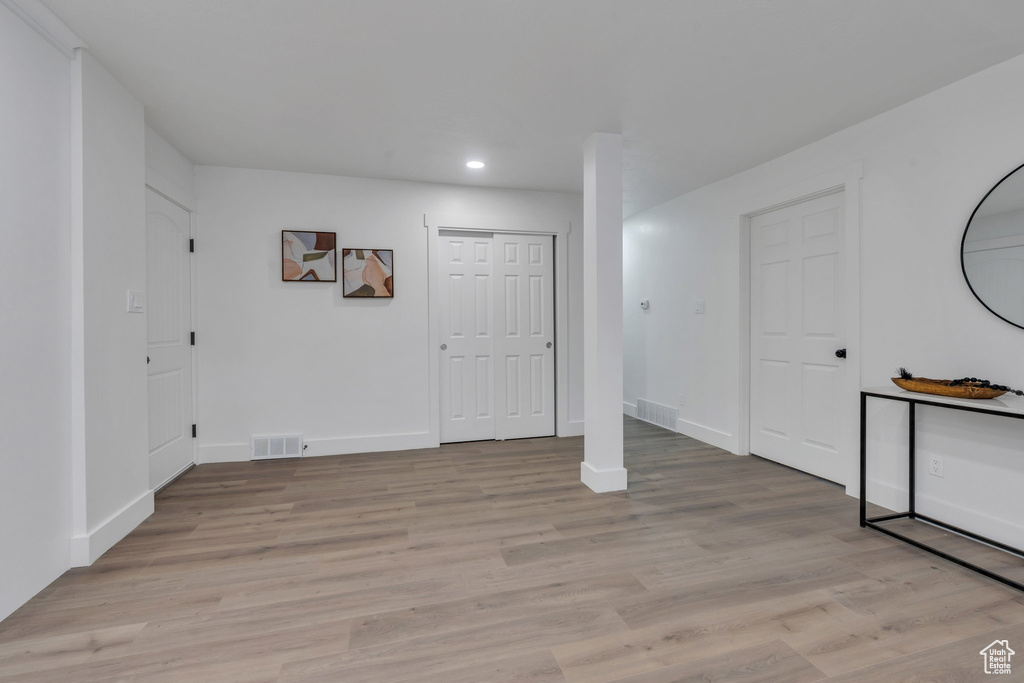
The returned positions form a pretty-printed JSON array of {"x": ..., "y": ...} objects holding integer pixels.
[
  {"x": 147, "y": 360},
  {"x": 841, "y": 353}
]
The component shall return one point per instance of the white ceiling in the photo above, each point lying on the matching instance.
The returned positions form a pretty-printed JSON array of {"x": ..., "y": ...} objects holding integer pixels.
[{"x": 412, "y": 89}]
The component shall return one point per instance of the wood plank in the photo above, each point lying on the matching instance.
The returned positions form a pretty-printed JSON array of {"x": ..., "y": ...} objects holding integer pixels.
[
  {"x": 491, "y": 561},
  {"x": 768, "y": 663},
  {"x": 491, "y": 608}
]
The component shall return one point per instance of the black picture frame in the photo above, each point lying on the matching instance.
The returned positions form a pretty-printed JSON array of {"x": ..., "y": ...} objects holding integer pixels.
[
  {"x": 363, "y": 292},
  {"x": 329, "y": 246}
]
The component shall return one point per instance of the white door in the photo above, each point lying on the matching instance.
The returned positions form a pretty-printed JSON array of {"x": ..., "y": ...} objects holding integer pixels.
[
  {"x": 466, "y": 313},
  {"x": 796, "y": 325},
  {"x": 496, "y": 318},
  {"x": 524, "y": 344},
  {"x": 169, "y": 321}
]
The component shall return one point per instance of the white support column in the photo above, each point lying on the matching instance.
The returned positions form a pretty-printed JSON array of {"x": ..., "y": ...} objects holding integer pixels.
[{"x": 602, "y": 468}]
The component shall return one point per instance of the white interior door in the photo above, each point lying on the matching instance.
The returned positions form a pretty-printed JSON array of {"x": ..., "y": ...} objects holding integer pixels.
[
  {"x": 496, "y": 318},
  {"x": 524, "y": 345},
  {"x": 466, "y": 312},
  {"x": 796, "y": 325},
  {"x": 169, "y": 321}
]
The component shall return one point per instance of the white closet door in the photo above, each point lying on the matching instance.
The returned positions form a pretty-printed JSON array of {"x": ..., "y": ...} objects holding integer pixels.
[
  {"x": 524, "y": 343},
  {"x": 168, "y": 324},
  {"x": 466, "y": 321},
  {"x": 796, "y": 324}
]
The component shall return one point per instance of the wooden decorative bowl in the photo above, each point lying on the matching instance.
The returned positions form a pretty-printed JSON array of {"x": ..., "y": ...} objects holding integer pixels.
[{"x": 941, "y": 387}]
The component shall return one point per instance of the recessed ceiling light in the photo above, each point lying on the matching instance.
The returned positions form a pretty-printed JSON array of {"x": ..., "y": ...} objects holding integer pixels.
[{"x": 475, "y": 164}]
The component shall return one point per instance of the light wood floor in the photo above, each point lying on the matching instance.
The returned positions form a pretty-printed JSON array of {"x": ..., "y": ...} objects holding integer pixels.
[{"x": 492, "y": 562}]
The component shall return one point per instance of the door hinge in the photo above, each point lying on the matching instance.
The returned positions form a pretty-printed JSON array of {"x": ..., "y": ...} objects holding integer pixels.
[
  {"x": 193, "y": 430},
  {"x": 191, "y": 246},
  {"x": 193, "y": 339}
]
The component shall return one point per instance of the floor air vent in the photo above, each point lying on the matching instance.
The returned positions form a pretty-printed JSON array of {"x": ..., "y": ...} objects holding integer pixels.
[
  {"x": 657, "y": 414},
  {"x": 271, "y": 447}
]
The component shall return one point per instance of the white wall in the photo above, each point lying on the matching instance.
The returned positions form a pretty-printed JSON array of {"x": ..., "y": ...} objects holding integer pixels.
[
  {"x": 35, "y": 517},
  {"x": 111, "y": 468},
  {"x": 287, "y": 357},
  {"x": 168, "y": 170},
  {"x": 74, "y": 471},
  {"x": 925, "y": 167}
]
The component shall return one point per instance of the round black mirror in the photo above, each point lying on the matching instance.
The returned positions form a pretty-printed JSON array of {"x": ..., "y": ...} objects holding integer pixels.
[{"x": 992, "y": 250}]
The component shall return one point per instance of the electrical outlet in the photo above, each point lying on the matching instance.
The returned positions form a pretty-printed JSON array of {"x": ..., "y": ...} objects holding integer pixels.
[
  {"x": 935, "y": 466},
  {"x": 680, "y": 400},
  {"x": 698, "y": 307}
]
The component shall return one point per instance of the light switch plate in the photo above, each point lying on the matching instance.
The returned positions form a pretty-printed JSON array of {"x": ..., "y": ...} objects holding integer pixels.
[{"x": 136, "y": 301}]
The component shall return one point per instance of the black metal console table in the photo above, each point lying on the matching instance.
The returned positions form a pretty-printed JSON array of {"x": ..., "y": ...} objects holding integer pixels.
[{"x": 987, "y": 407}]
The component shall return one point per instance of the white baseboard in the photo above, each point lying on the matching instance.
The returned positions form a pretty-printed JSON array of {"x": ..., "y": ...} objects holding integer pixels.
[
  {"x": 693, "y": 430},
  {"x": 222, "y": 452},
  {"x": 895, "y": 498},
  {"x": 239, "y": 452},
  {"x": 574, "y": 428},
  {"x": 87, "y": 549},
  {"x": 881, "y": 493},
  {"x": 603, "y": 481},
  {"x": 708, "y": 435}
]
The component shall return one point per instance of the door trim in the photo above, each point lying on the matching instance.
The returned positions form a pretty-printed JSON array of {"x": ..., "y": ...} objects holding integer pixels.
[
  {"x": 172, "y": 193},
  {"x": 846, "y": 179},
  {"x": 509, "y": 225}
]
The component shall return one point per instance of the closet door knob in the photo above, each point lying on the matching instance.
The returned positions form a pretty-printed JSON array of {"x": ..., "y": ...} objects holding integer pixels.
[
  {"x": 841, "y": 353},
  {"x": 444, "y": 347},
  {"x": 549, "y": 345}
]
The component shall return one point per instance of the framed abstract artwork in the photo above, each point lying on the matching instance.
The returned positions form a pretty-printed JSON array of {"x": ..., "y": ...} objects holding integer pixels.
[
  {"x": 368, "y": 273},
  {"x": 308, "y": 256}
]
